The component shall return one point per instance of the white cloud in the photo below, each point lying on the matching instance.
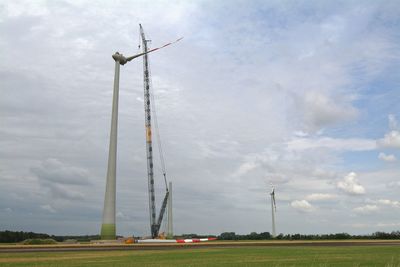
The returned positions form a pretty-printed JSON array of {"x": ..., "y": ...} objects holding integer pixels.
[
  {"x": 350, "y": 184},
  {"x": 320, "y": 196},
  {"x": 245, "y": 168},
  {"x": 374, "y": 225},
  {"x": 393, "y": 124},
  {"x": 302, "y": 205},
  {"x": 300, "y": 134},
  {"x": 337, "y": 144},
  {"x": 48, "y": 208},
  {"x": 385, "y": 157},
  {"x": 366, "y": 209},
  {"x": 391, "y": 139},
  {"x": 120, "y": 215},
  {"x": 321, "y": 110},
  {"x": 396, "y": 224},
  {"x": 29, "y": 8},
  {"x": 60, "y": 179},
  {"x": 387, "y": 202},
  {"x": 54, "y": 171},
  {"x": 64, "y": 192},
  {"x": 393, "y": 184}
]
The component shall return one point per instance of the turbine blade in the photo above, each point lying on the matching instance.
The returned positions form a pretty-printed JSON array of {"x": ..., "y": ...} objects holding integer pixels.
[{"x": 152, "y": 50}]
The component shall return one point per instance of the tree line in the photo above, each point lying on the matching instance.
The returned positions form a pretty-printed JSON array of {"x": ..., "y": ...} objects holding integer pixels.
[
  {"x": 336, "y": 236},
  {"x": 19, "y": 236}
]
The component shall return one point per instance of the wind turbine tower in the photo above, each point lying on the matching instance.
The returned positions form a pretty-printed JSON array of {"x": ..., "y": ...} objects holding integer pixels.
[
  {"x": 108, "y": 225},
  {"x": 273, "y": 210}
]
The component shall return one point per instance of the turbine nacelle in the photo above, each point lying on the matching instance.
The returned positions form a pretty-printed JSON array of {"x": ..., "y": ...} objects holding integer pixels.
[
  {"x": 123, "y": 60},
  {"x": 119, "y": 58}
]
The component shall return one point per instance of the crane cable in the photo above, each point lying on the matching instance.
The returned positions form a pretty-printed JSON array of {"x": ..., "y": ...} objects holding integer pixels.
[{"x": 159, "y": 144}]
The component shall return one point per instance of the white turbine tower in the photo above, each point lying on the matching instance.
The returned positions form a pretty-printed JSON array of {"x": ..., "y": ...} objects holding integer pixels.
[
  {"x": 108, "y": 226},
  {"x": 273, "y": 210}
]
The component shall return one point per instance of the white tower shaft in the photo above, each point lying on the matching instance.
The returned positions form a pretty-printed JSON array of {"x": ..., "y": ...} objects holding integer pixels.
[
  {"x": 108, "y": 225},
  {"x": 273, "y": 214}
]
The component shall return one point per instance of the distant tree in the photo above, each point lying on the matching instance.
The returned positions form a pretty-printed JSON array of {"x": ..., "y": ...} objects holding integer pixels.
[
  {"x": 279, "y": 237},
  {"x": 265, "y": 236},
  {"x": 227, "y": 236},
  {"x": 253, "y": 236},
  {"x": 12, "y": 237}
]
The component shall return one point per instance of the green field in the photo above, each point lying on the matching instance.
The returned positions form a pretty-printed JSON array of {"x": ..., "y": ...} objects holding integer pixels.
[{"x": 388, "y": 256}]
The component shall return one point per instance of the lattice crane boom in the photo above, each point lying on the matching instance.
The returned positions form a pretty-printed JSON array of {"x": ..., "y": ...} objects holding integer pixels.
[{"x": 155, "y": 222}]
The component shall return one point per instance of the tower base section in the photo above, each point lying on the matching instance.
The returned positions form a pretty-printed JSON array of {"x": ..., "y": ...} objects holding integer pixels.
[{"x": 108, "y": 232}]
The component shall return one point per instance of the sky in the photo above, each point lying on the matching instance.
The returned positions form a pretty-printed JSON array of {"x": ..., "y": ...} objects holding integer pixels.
[{"x": 300, "y": 94}]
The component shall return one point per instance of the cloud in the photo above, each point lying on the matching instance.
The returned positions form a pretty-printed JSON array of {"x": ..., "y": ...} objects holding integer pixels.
[
  {"x": 320, "y": 196},
  {"x": 390, "y": 140},
  {"x": 321, "y": 110},
  {"x": 53, "y": 171},
  {"x": 393, "y": 124},
  {"x": 336, "y": 144},
  {"x": 350, "y": 185},
  {"x": 393, "y": 184},
  {"x": 302, "y": 205},
  {"x": 385, "y": 157},
  {"x": 387, "y": 202},
  {"x": 16, "y": 9},
  {"x": 120, "y": 215},
  {"x": 61, "y": 180},
  {"x": 245, "y": 168},
  {"x": 375, "y": 225},
  {"x": 64, "y": 192},
  {"x": 396, "y": 224},
  {"x": 48, "y": 208},
  {"x": 366, "y": 209}
]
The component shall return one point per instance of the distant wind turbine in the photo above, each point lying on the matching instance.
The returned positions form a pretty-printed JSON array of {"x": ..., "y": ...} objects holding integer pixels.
[{"x": 273, "y": 210}]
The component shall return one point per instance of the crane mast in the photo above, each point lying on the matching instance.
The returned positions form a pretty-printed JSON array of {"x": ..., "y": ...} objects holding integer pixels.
[{"x": 154, "y": 222}]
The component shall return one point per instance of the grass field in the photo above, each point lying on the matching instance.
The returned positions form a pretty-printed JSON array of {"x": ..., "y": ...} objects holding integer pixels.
[{"x": 388, "y": 256}]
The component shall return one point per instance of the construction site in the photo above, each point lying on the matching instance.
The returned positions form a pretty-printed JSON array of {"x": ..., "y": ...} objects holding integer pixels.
[{"x": 260, "y": 134}]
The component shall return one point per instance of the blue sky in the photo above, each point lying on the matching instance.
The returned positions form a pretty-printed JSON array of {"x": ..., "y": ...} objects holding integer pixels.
[{"x": 303, "y": 94}]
